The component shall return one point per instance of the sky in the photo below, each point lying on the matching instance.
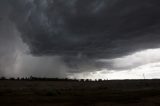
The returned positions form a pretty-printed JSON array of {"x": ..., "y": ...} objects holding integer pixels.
[{"x": 108, "y": 39}]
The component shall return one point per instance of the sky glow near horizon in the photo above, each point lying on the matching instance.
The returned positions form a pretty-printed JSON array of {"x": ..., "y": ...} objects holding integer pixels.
[
  {"x": 144, "y": 63},
  {"x": 133, "y": 66}
]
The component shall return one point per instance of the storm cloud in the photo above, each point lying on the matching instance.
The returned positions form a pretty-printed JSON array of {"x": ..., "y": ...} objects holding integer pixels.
[
  {"x": 95, "y": 29},
  {"x": 81, "y": 32}
]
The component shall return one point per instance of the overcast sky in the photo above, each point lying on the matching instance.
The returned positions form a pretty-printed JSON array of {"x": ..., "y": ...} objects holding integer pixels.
[{"x": 114, "y": 39}]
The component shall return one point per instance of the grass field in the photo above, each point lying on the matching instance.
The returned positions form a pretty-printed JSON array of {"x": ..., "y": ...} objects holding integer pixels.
[{"x": 72, "y": 93}]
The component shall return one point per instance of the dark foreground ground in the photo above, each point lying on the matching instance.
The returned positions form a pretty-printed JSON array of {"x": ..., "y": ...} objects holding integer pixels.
[{"x": 70, "y": 93}]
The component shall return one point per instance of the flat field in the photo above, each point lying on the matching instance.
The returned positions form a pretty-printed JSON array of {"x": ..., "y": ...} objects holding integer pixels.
[{"x": 74, "y": 93}]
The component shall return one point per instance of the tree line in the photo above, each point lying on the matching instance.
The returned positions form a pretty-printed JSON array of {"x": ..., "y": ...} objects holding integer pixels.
[{"x": 31, "y": 78}]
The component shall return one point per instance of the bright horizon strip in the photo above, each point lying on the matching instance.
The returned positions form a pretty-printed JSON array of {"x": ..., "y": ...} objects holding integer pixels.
[{"x": 145, "y": 64}]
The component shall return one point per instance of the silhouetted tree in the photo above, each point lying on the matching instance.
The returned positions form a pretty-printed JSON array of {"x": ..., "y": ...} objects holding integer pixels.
[{"x": 3, "y": 78}]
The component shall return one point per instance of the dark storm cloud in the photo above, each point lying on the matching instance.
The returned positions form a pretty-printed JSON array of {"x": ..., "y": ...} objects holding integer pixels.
[
  {"x": 90, "y": 27},
  {"x": 82, "y": 31}
]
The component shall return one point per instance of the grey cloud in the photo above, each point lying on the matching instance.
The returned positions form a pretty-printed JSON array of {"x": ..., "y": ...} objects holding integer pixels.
[
  {"x": 83, "y": 31},
  {"x": 71, "y": 27}
]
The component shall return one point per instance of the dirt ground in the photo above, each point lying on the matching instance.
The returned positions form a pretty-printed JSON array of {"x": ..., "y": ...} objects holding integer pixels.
[{"x": 70, "y": 93}]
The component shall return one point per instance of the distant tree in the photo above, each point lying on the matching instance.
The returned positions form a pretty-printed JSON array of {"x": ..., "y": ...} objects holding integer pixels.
[
  {"x": 96, "y": 80},
  {"x": 3, "y": 78},
  {"x": 82, "y": 80},
  {"x": 11, "y": 78},
  {"x": 22, "y": 79},
  {"x": 100, "y": 80},
  {"x": 87, "y": 80},
  {"x": 18, "y": 78}
]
